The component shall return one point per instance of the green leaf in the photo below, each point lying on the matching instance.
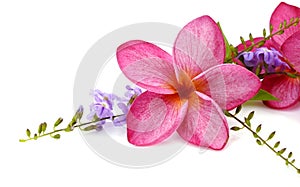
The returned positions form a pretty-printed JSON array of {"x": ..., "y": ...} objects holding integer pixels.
[
  {"x": 227, "y": 113},
  {"x": 293, "y": 161},
  {"x": 40, "y": 128},
  {"x": 238, "y": 109},
  {"x": 271, "y": 28},
  {"x": 291, "y": 75},
  {"x": 281, "y": 151},
  {"x": 255, "y": 135},
  {"x": 258, "y": 142},
  {"x": 44, "y": 127},
  {"x": 290, "y": 155},
  {"x": 263, "y": 95},
  {"x": 56, "y": 136},
  {"x": 276, "y": 144},
  {"x": 28, "y": 133},
  {"x": 89, "y": 128},
  {"x": 22, "y": 140},
  {"x": 250, "y": 116},
  {"x": 286, "y": 162},
  {"x": 251, "y": 38},
  {"x": 58, "y": 121},
  {"x": 271, "y": 136},
  {"x": 228, "y": 49},
  {"x": 264, "y": 33},
  {"x": 258, "y": 128},
  {"x": 235, "y": 128},
  {"x": 247, "y": 121}
]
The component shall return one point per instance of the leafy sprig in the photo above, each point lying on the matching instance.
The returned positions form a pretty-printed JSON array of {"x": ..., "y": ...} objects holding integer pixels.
[
  {"x": 247, "y": 124},
  {"x": 74, "y": 123},
  {"x": 282, "y": 27}
]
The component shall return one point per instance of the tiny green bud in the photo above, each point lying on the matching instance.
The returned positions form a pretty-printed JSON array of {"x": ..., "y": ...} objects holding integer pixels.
[
  {"x": 44, "y": 127},
  {"x": 271, "y": 135},
  {"x": 251, "y": 38},
  {"x": 238, "y": 109},
  {"x": 258, "y": 142},
  {"x": 235, "y": 128},
  {"x": 250, "y": 116},
  {"x": 264, "y": 33},
  {"x": 35, "y": 137},
  {"x": 28, "y": 133},
  {"x": 227, "y": 113},
  {"x": 271, "y": 29},
  {"x": 255, "y": 135},
  {"x": 281, "y": 151},
  {"x": 280, "y": 32},
  {"x": 89, "y": 128},
  {"x": 290, "y": 155},
  {"x": 58, "y": 121},
  {"x": 293, "y": 161},
  {"x": 258, "y": 128},
  {"x": 40, "y": 128},
  {"x": 247, "y": 121},
  {"x": 276, "y": 144},
  {"x": 285, "y": 24},
  {"x": 56, "y": 136}
]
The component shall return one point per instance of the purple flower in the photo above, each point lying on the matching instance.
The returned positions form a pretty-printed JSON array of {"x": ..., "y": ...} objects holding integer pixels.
[
  {"x": 125, "y": 104},
  {"x": 132, "y": 93},
  {"x": 267, "y": 59},
  {"x": 102, "y": 107}
]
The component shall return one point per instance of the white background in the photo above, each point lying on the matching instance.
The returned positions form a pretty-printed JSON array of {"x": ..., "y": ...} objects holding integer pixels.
[{"x": 41, "y": 46}]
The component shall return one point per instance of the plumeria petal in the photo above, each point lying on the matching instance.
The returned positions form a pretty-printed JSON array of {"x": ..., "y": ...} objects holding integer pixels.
[
  {"x": 283, "y": 12},
  {"x": 204, "y": 124},
  {"x": 147, "y": 65},
  {"x": 228, "y": 85},
  {"x": 285, "y": 88},
  {"x": 199, "y": 46},
  {"x": 291, "y": 50},
  {"x": 154, "y": 117}
]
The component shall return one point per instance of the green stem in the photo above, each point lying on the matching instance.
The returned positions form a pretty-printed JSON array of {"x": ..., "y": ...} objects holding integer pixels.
[
  {"x": 262, "y": 140},
  {"x": 65, "y": 129},
  {"x": 280, "y": 31},
  {"x": 294, "y": 75}
]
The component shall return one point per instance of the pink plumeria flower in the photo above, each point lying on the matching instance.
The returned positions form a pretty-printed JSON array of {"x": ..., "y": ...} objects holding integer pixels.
[
  {"x": 284, "y": 87},
  {"x": 187, "y": 92}
]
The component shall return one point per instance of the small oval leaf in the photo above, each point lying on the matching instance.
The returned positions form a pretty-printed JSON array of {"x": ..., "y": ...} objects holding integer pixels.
[
  {"x": 56, "y": 136},
  {"x": 276, "y": 144},
  {"x": 258, "y": 128},
  {"x": 235, "y": 128},
  {"x": 290, "y": 155},
  {"x": 28, "y": 133},
  {"x": 258, "y": 142},
  {"x": 271, "y": 135},
  {"x": 281, "y": 151}
]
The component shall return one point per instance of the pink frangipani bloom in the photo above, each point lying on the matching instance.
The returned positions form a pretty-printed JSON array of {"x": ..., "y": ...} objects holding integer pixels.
[
  {"x": 187, "y": 92},
  {"x": 285, "y": 88}
]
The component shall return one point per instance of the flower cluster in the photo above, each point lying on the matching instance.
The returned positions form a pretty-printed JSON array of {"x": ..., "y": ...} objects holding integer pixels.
[
  {"x": 191, "y": 91},
  {"x": 269, "y": 60},
  {"x": 102, "y": 108}
]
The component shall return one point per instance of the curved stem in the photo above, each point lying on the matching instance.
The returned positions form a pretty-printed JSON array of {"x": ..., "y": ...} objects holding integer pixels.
[
  {"x": 262, "y": 140},
  {"x": 280, "y": 31},
  {"x": 65, "y": 129}
]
